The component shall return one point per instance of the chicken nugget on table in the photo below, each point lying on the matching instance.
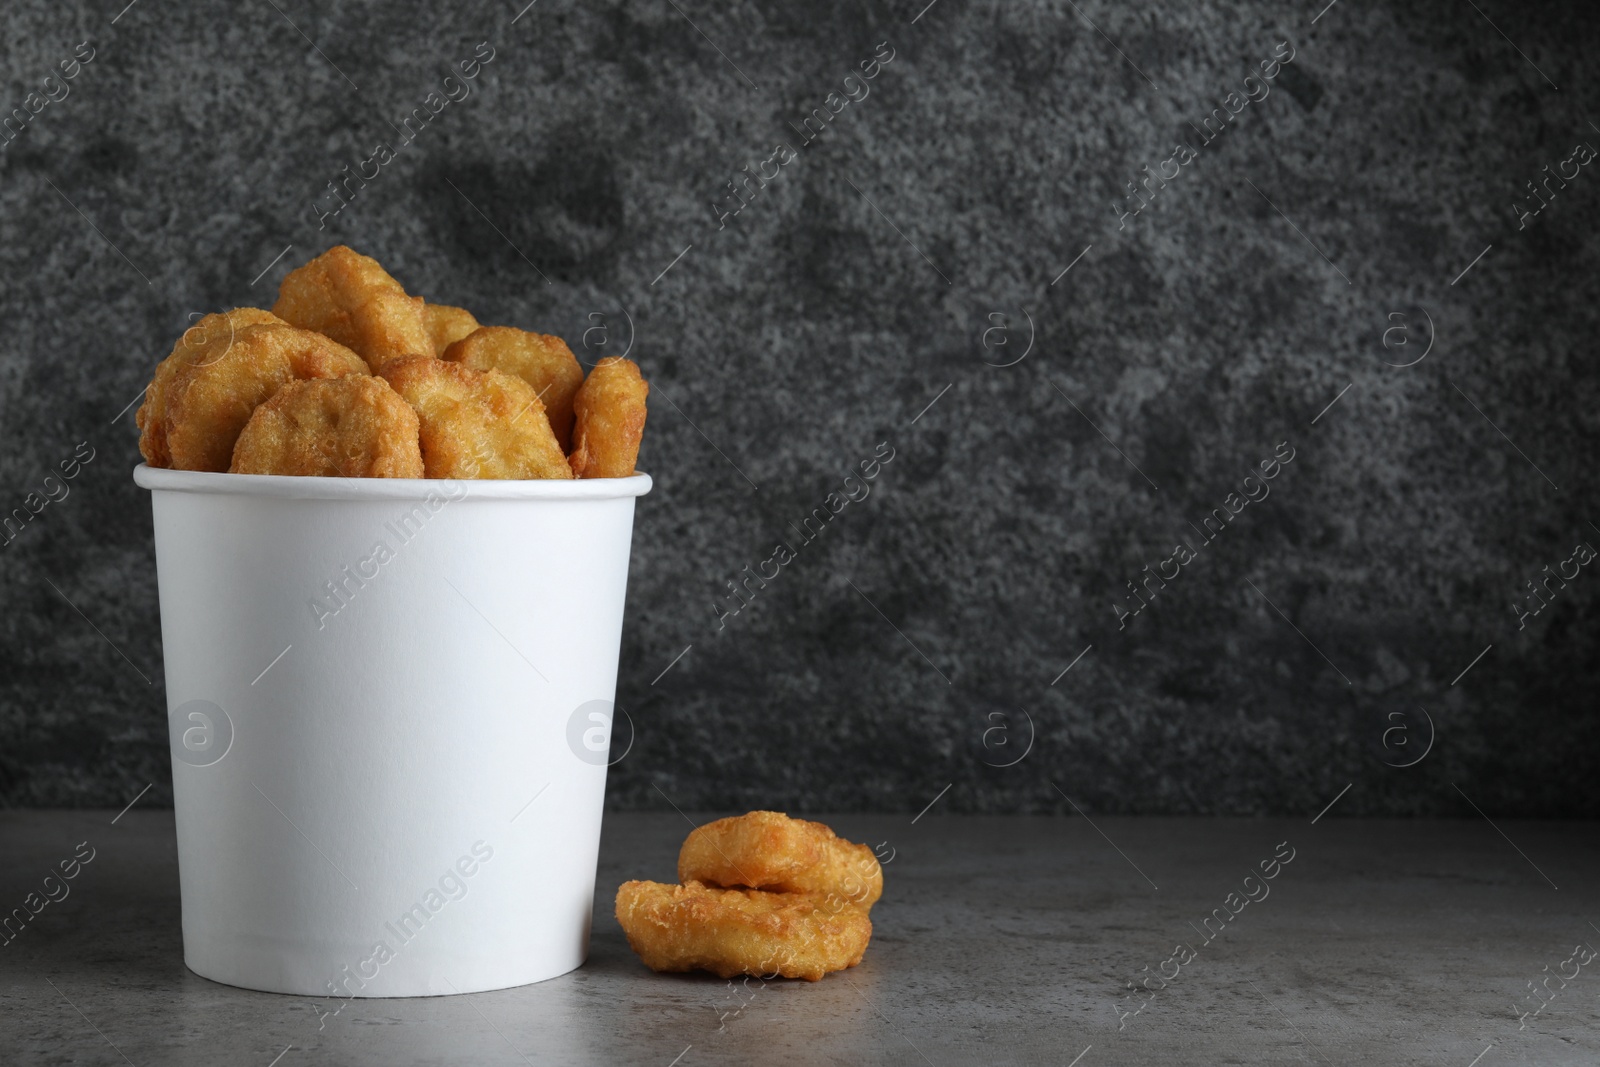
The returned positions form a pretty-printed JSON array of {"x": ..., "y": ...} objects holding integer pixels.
[
  {"x": 542, "y": 360},
  {"x": 609, "y": 413},
  {"x": 210, "y": 401},
  {"x": 353, "y": 427},
  {"x": 769, "y": 850},
  {"x": 352, "y": 299},
  {"x": 205, "y": 342},
  {"x": 477, "y": 423},
  {"x": 447, "y": 325},
  {"x": 739, "y": 931}
]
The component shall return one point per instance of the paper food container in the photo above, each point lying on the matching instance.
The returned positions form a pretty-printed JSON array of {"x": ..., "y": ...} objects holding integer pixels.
[{"x": 390, "y": 704}]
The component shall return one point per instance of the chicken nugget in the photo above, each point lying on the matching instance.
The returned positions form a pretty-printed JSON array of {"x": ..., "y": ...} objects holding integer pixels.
[
  {"x": 352, "y": 299},
  {"x": 477, "y": 423},
  {"x": 543, "y": 361},
  {"x": 210, "y": 401},
  {"x": 609, "y": 420},
  {"x": 205, "y": 342},
  {"x": 769, "y": 850},
  {"x": 447, "y": 325},
  {"x": 739, "y": 931},
  {"x": 353, "y": 427}
]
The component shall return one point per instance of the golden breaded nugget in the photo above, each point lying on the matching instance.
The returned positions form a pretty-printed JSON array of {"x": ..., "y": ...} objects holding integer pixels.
[
  {"x": 206, "y": 341},
  {"x": 543, "y": 361},
  {"x": 610, "y": 411},
  {"x": 447, "y": 325},
  {"x": 769, "y": 850},
  {"x": 739, "y": 931},
  {"x": 210, "y": 401},
  {"x": 352, "y": 299},
  {"x": 477, "y": 423},
  {"x": 354, "y": 427}
]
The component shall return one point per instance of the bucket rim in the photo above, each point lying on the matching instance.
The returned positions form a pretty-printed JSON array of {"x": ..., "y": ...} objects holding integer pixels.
[{"x": 293, "y": 487}]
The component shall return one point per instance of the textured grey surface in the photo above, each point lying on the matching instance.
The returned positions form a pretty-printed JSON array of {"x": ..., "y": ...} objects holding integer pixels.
[
  {"x": 855, "y": 289},
  {"x": 999, "y": 940}
]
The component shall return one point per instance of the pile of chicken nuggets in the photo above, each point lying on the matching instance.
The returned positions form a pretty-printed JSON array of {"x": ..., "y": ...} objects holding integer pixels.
[
  {"x": 349, "y": 376},
  {"x": 761, "y": 894}
]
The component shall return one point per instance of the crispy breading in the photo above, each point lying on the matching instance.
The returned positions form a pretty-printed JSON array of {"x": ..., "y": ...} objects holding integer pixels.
[
  {"x": 769, "y": 850},
  {"x": 352, "y": 299},
  {"x": 352, "y": 427},
  {"x": 477, "y": 423},
  {"x": 447, "y": 325},
  {"x": 346, "y": 315},
  {"x": 543, "y": 361},
  {"x": 210, "y": 401},
  {"x": 609, "y": 414},
  {"x": 739, "y": 931},
  {"x": 206, "y": 341}
]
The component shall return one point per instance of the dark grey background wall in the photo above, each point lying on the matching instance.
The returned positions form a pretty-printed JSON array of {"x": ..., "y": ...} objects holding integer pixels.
[{"x": 866, "y": 298}]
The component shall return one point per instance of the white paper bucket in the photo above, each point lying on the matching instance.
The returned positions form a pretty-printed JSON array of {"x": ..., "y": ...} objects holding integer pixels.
[{"x": 390, "y": 704}]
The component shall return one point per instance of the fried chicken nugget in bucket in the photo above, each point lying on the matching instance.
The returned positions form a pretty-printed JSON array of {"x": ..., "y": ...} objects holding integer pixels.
[
  {"x": 447, "y": 325},
  {"x": 477, "y": 424},
  {"x": 353, "y": 427},
  {"x": 769, "y": 850},
  {"x": 610, "y": 413},
  {"x": 205, "y": 342},
  {"x": 352, "y": 299},
  {"x": 212, "y": 400},
  {"x": 739, "y": 931},
  {"x": 543, "y": 361}
]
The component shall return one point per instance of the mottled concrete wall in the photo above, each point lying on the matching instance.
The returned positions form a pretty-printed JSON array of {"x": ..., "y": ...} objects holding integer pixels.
[{"x": 1081, "y": 424}]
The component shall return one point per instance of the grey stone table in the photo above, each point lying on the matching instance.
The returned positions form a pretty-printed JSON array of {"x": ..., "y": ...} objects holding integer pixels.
[{"x": 998, "y": 941}]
